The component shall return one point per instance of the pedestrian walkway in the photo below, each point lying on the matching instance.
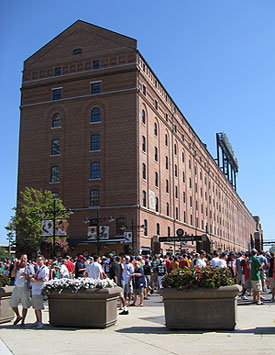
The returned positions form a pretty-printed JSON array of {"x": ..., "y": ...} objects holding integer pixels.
[{"x": 143, "y": 332}]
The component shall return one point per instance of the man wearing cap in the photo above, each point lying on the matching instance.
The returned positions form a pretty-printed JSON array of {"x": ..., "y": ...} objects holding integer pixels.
[{"x": 79, "y": 268}]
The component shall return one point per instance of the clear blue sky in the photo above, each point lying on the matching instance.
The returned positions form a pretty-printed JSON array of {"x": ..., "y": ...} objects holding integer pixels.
[{"x": 216, "y": 58}]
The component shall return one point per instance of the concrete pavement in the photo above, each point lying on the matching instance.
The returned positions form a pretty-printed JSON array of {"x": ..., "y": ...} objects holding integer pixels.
[{"x": 143, "y": 332}]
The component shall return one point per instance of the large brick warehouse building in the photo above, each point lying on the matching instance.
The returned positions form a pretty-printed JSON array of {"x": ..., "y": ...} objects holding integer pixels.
[{"x": 99, "y": 130}]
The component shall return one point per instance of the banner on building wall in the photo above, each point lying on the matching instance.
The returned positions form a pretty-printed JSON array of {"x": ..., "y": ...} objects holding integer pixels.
[
  {"x": 92, "y": 232},
  {"x": 128, "y": 237},
  {"x": 104, "y": 232}
]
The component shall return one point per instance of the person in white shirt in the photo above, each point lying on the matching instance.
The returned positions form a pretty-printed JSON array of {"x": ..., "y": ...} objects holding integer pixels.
[
  {"x": 41, "y": 276},
  {"x": 94, "y": 270},
  {"x": 64, "y": 272},
  {"x": 215, "y": 261},
  {"x": 22, "y": 272},
  {"x": 222, "y": 262},
  {"x": 201, "y": 260},
  {"x": 128, "y": 270}
]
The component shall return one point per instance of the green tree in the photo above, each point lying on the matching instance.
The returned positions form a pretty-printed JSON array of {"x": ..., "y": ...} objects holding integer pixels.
[{"x": 24, "y": 228}]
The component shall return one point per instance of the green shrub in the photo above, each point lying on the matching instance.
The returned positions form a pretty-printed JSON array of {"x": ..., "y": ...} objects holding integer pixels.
[
  {"x": 4, "y": 280},
  {"x": 193, "y": 278}
]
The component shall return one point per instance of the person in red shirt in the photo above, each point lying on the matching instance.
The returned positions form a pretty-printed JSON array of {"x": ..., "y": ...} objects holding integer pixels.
[{"x": 70, "y": 266}]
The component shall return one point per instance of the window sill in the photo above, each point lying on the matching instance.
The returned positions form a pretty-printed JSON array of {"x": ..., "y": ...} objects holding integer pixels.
[
  {"x": 94, "y": 151},
  {"x": 55, "y": 155},
  {"x": 95, "y": 122},
  {"x": 95, "y": 179},
  {"x": 54, "y": 182}
]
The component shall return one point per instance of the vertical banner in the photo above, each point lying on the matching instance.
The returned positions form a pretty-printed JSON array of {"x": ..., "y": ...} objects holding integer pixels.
[
  {"x": 92, "y": 232},
  {"x": 61, "y": 226},
  {"x": 47, "y": 228}
]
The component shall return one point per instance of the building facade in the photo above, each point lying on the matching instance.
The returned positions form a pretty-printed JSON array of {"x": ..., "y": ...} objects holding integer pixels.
[{"x": 99, "y": 130}]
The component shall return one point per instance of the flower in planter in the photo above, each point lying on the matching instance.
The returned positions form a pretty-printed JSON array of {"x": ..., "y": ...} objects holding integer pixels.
[
  {"x": 188, "y": 278},
  {"x": 74, "y": 285},
  {"x": 62, "y": 244}
]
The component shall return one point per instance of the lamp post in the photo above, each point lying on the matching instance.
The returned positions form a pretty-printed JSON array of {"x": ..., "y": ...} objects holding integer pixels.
[
  {"x": 96, "y": 221},
  {"x": 133, "y": 227},
  {"x": 54, "y": 212}
]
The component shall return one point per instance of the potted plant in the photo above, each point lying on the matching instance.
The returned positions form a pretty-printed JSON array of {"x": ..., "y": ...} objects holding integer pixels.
[
  {"x": 200, "y": 298},
  {"x": 6, "y": 312},
  {"x": 82, "y": 302}
]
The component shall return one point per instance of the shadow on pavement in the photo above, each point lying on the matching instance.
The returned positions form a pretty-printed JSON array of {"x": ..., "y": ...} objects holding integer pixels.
[{"x": 163, "y": 330}]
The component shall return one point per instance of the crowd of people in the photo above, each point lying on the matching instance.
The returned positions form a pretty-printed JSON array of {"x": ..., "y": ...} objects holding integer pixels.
[{"x": 138, "y": 276}]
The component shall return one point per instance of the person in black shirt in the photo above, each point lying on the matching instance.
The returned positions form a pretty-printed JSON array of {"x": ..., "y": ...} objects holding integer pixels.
[
  {"x": 79, "y": 267},
  {"x": 138, "y": 283},
  {"x": 148, "y": 272}
]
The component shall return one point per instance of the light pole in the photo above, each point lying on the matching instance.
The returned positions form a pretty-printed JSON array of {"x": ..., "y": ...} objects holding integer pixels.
[
  {"x": 133, "y": 227},
  {"x": 96, "y": 221},
  {"x": 54, "y": 213}
]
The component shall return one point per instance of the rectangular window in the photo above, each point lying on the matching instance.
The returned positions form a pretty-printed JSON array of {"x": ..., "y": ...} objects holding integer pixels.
[
  {"x": 57, "y": 94},
  {"x": 156, "y": 104},
  {"x": 55, "y": 147},
  {"x": 144, "y": 90},
  {"x": 94, "y": 173},
  {"x": 96, "y": 64},
  {"x": 94, "y": 198},
  {"x": 184, "y": 198},
  {"x": 55, "y": 174},
  {"x": 95, "y": 142},
  {"x": 95, "y": 88},
  {"x": 58, "y": 71}
]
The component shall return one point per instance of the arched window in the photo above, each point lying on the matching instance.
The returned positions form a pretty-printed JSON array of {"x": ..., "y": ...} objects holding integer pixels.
[
  {"x": 167, "y": 208},
  {"x": 56, "y": 120},
  {"x": 95, "y": 115},
  {"x": 168, "y": 232},
  {"x": 143, "y": 117},
  {"x": 77, "y": 51},
  {"x": 166, "y": 163},
  {"x": 155, "y": 129},
  {"x": 94, "y": 170},
  {"x": 167, "y": 186}
]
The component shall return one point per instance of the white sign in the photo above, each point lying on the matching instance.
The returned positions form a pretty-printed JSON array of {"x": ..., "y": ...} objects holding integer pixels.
[
  {"x": 104, "y": 232},
  {"x": 47, "y": 228},
  {"x": 127, "y": 237},
  {"x": 92, "y": 232},
  {"x": 61, "y": 227},
  {"x": 152, "y": 200}
]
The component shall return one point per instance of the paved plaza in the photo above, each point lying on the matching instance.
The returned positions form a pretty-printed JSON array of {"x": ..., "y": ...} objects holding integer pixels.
[{"x": 143, "y": 332}]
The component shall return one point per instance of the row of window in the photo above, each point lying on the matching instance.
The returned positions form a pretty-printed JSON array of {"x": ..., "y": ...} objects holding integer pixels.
[
  {"x": 95, "y": 89},
  {"x": 95, "y": 144},
  {"x": 95, "y": 117},
  {"x": 94, "y": 172},
  {"x": 58, "y": 70}
]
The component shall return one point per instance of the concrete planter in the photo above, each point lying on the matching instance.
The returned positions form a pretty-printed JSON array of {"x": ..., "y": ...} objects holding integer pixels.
[
  {"x": 201, "y": 308},
  {"x": 92, "y": 308},
  {"x": 6, "y": 312}
]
